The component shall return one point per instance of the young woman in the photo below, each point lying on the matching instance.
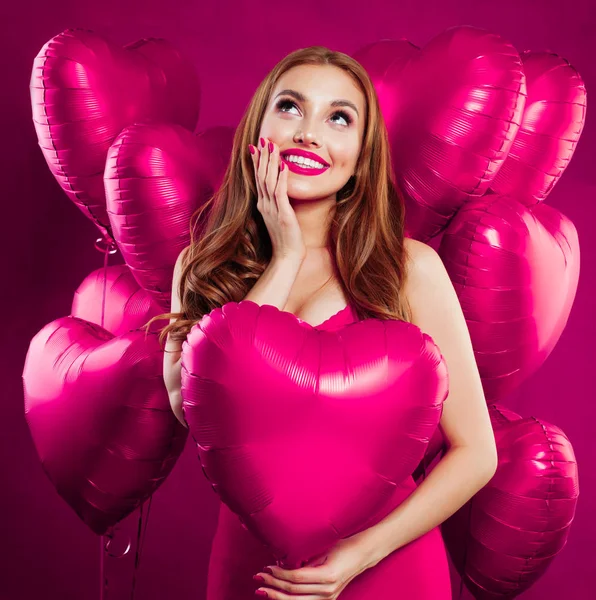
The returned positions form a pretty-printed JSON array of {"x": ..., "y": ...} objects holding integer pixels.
[{"x": 308, "y": 219}]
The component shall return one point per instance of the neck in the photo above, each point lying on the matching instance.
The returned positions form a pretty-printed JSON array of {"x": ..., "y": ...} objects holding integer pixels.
[{"x": 314, "y": 217}]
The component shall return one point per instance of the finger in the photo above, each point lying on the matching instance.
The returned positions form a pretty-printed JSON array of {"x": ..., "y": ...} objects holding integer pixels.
[
  {"x": 272, "y": 172},
  {"x": 281, "y": 189},
  {"x": 277, "y": 595},
  {"x": 278, "y": 588},
  {"x": 310, "y": 575},
  {"x": 263, "y": 164},
  {"x": 255, "y": 163}
]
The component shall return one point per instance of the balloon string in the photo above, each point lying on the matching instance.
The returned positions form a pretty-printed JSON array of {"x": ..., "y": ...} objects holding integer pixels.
[
  {"x": 105, "y": 282},
  {"x": 104, "y": 579},
  {"x": 141, "y": 533},
  {"x": 107, "y": 248},
  {"x": 103, "y": 585}
]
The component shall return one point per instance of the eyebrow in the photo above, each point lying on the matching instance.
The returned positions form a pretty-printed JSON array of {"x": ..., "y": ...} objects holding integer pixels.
[{"x": 302, "y": 98}]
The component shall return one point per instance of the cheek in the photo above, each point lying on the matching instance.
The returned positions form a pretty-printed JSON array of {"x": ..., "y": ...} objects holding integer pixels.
[
  {"x": 346, "y": 154},
  {"x": 277, "y": 130},
  {"x": 344, "y": 162}
]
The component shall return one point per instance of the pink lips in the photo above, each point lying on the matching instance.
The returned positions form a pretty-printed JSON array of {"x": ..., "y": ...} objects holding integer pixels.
[{"x": 296, "y": 168}]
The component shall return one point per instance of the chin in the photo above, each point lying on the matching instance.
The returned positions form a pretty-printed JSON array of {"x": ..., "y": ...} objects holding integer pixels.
[{"x": 301, "y": 195}]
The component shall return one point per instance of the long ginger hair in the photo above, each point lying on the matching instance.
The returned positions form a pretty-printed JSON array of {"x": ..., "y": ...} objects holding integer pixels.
[{"x": 232, "y": 247}]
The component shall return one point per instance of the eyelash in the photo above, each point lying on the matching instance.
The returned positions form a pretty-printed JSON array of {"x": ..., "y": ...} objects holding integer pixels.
[{"x": 342, "y": 113}]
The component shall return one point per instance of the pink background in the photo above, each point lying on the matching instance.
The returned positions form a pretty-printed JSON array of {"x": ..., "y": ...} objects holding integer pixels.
[{"x": 45, "y": 550}]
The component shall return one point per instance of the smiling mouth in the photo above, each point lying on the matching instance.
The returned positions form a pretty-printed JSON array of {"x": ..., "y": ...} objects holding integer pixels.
[
  {"x": 301, "y": 169},
  {"x": 305, "y": 165}
]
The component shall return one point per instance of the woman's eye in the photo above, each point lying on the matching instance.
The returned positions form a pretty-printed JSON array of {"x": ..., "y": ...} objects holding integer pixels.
[
  {"x": 344, "y": 116},
  {"x": 283, "y": 104}
]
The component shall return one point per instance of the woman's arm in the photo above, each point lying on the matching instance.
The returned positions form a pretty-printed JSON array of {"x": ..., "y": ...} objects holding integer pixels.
[
  {"x": 275, "y": 283},
  {"x": 273, "y": 287},
  {"x": 172, "y": 364},
  {"x": 471, "y": 459}
]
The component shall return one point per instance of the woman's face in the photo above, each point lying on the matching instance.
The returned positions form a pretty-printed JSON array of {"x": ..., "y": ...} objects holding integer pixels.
[{"x": 300, "y": 116}]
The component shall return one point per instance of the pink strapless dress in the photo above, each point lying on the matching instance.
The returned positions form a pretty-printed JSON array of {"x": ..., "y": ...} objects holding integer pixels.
[{"x": 417, "y": 571}]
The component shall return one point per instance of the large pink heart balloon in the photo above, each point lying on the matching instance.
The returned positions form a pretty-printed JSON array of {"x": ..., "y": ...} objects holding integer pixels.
[
  {"x": 85, "y": 90},
  {"x": 112, "y": 298},
  {"x": 100, "y": 417},
  {"x": 552, "y": 123},
  {"x": 506, "y": 536},
  {"x": 452, "y": 112},
  {"x": 156, "y": 177},
  {"x": 305, "y": 433},
  {"x": 515, "y": 270}
]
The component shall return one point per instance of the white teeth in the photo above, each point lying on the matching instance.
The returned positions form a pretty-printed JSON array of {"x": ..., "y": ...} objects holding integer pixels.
[{"x": 305, "y": 162}]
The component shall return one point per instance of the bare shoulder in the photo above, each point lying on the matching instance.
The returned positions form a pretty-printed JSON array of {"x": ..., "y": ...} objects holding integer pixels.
[
  {"x": 180, "y": 259},
  {"x": 429, "y": 290},
  {"x": 423, "y": 265},
  {"x": 178, "y": 268},
  {"x": 413, "y": 245}
]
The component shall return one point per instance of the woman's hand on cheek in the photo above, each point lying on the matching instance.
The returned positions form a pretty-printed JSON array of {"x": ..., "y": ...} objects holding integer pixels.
[{"x": 271, "y": 178}]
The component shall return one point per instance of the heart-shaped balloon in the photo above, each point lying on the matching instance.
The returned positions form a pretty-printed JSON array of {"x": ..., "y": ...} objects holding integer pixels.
[
  {"x": 434, "y": 452},
  {"x": 156, "y": 177},
  {"x": 437, "y": 447},
  {"x": 552, "y": 124},
  {"x": 505, "y": 537},
  {"x": 515, "y": 270},
  {"x": 384, "y": 62},
  {"x": 111, "y": 297},
  {"x": 305, "y": 433},
  {"x": 85, "y": 90},
  {"x": 452, "y": 111},
  {"x": 100, "y": 417}
]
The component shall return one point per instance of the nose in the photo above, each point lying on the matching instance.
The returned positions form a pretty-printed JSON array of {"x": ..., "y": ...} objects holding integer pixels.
[{"x": 307, "y": 135}]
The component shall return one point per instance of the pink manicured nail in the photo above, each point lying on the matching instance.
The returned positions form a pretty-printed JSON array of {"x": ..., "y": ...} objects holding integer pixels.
[
  {"x": 258, "y": 578},
  {"x": 262, "y": 593},
  {"x": 252, "y": 149},
  {"x": 270, "y": 146},
  {"x": 262, "y": 143}
]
